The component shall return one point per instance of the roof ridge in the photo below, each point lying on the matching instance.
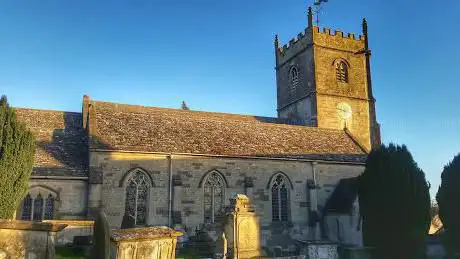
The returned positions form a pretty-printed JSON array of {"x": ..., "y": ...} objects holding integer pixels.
[
  {"x": 181, "y": 110},
  {"x": 44, "y": 110},
  {"x": 220, "y": 116}
]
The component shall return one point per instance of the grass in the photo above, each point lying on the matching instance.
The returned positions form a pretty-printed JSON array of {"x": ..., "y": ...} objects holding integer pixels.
[{"x": 69, "y": 253}]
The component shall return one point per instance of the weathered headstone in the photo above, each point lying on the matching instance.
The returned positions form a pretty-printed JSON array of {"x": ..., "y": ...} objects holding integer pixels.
[
  {"x": 221, "y": 247},
  {"x": 101, "y": 237},
  {"x": 148, "y": 242},
  {"x": 242, "y": 229},
  {"x": 128, "y": 221}
]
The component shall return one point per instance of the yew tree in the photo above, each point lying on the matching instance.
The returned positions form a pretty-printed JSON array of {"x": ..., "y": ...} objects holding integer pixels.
[
  {"x": 394, "y": 203},
  {"x": 448, "y": 198},
  {"x": 17, "y": 148}
]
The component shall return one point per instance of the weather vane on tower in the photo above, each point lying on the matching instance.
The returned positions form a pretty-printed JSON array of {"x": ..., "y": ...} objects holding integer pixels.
[{"x": 317, "y": 4}]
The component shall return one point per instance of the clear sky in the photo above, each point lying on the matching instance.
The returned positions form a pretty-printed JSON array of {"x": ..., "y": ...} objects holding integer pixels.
[{"x": 218, "y": 56}]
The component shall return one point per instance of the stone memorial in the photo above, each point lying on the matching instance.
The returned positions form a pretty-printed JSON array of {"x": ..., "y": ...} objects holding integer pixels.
[
  {"x": 28, "y": 239},
  {"x": 242, "y": 229},
  {"x": 149, "y": 242},
  {"x": 320, "y": 249}
]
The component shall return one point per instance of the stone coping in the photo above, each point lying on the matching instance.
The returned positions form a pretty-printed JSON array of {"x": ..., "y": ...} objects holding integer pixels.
[
  {"x": 134, "y": 234},
  {"x": 72, "y": 223},
  {"x": 31, "y": 225}
]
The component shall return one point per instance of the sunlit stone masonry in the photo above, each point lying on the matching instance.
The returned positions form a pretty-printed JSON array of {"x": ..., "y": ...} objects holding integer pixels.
[{"x": 176, "y": 167}]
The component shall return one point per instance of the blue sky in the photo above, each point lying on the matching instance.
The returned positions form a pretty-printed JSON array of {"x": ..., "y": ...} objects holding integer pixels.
[{"x": 218, "y": 56}]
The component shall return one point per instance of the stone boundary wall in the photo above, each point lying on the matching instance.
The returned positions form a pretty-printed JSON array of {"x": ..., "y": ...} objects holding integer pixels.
[
  {"x": 74, "y": 228},
  {"x": 28, "y": 239}
]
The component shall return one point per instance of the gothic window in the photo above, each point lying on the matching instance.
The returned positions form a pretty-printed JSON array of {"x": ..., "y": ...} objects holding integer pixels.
[
  {"x": 213, "y": 189},
  {"x": 341, "y": 70},
  {"x": 137, "y": 191},
  {"x": 38, "y": 207},
  {"x": 280, "y": 198},
  {"x": 49, "y": 207},
  {"x": 26, "y": 213},
  {"x": 293, "y": 78}
]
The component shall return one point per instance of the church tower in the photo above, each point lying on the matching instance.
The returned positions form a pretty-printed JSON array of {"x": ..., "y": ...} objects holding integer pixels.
[{"x": 323, "y": 80}]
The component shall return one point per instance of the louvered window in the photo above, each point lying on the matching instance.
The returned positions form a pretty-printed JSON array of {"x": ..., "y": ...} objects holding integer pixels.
[{"x": 342, "y": 71}]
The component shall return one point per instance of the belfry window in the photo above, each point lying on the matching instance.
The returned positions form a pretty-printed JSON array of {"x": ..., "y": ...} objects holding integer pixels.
[
  {"x": 341, "y": 71},
  {"x": 280, "y": 198},
  {"x": 137, "y": 192},
  {"x": 293, "y": 78},
  {"x": 36, "y": 207},
  {"x": 213, "y": 188}
]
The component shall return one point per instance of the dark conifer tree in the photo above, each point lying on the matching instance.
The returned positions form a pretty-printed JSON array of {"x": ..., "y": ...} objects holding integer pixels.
[
  {"x": 394, "y": 204},
  {"x": 448, "y": 198},
  {"x": 17, "y": 148},
  {"x": 184, "y": 106}
]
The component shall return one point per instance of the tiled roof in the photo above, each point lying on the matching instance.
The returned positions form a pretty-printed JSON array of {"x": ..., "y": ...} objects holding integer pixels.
[
  {"x": 61, "y": 142},
  {"x": 151, "y": 129}
]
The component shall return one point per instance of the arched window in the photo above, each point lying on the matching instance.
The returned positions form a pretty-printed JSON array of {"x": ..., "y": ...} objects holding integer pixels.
[
  {"x": 341, "y": 69},
  {"x": 280, "y": 198},
  {"x": 213, "y": 188},
  {"x": 137, "y": 190},
  {"x": 26, "y": 213},
  {"x": 38, "y": 207},
  {"x": 49, "y": 207},
  {"x": 293, "y": 78},
  {"x": 39, "y": 204}
]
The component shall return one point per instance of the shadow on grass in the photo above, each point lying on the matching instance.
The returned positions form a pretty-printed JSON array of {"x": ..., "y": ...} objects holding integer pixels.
[{"x": 69, "y": 253}]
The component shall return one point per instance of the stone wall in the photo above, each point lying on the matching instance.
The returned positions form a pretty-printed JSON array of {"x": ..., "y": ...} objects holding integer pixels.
[
  {"x": 26, "y": 239},
  {"x": 328, "y": 48},
  {"x": 188, "y": 174}
]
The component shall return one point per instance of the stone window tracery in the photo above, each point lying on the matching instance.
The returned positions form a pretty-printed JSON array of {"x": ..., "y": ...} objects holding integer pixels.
[
  {"x": 213, "y": 201},
  {"x": 49, "y": 207},
  {"x": 341, "y": 69},
  {"x": 35, "y": 207},
  {"x": 26, "y": 213},
  {"x": 38, "y": 208},
  {"x": 280, "y": 198},
  {"x": 137, "y": 190}
]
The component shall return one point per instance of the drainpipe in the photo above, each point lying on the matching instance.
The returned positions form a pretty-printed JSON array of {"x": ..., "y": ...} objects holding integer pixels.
[
  {"x": 314, "y": 200},
  {"x": 170, "y": 190}
]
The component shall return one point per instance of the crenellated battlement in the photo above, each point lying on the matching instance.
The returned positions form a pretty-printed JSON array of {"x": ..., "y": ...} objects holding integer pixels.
[
  {"x": 293, "y": 42},
  {"x": 317, "y": 35},
  {"x": 337, "y": 33},
  {"x": 320, "y": 37}
]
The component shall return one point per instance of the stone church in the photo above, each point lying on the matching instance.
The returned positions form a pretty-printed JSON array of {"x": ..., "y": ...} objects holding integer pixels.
[{"x": 179, "y": 167}]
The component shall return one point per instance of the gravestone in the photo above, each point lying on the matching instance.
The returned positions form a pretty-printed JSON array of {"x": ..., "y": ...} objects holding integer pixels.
[
  {"x": 148, "y": 242},
  {"x": 221, "y": 247},
  {"x": 101, "y": 248},
  {"x": 242, "y": 229},
  {"x": 128, "y": 221}
]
